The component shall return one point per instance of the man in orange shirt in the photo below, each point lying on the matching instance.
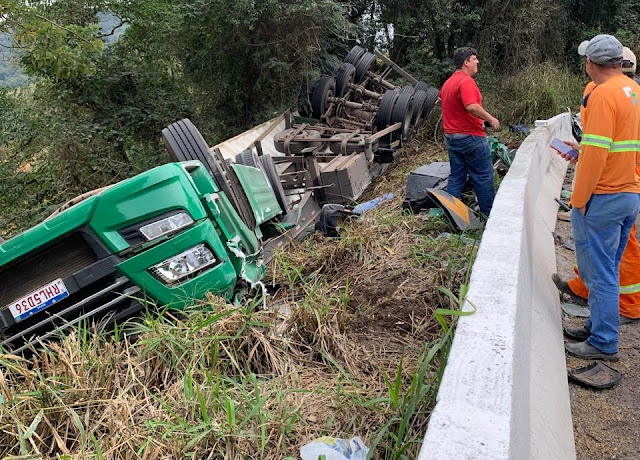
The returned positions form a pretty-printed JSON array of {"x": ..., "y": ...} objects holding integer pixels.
[
  {"x": 575, "y": 287},
  {"x": 606, "y": 195}
]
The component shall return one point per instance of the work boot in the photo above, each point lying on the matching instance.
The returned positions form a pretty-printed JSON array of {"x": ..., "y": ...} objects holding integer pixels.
[
  {"x": 577, "y": 333},
  {"x": 564, "y": 288},
  {"x": 584, "y": 350},
  {"x": 627, "y": 320}
]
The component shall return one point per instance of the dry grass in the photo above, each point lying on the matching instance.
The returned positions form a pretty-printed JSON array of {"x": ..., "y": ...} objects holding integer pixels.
[{"x": 348, "y": 345}]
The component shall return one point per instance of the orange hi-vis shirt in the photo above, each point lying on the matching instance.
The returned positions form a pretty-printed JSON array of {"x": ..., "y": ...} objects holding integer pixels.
[
  {"x": 587, "y": 91},
  {"x": 610, "y": 141}
]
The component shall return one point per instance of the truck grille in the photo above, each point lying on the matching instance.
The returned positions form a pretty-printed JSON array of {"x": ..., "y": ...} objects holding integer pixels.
[
  {"x": 105, "y": 301},
  {"x": 59, "y": 260},
  {"x": 97, "y": 292}
]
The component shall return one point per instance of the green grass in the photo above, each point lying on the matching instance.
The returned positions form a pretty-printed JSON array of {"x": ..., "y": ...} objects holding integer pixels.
[{"x": 353, "y": 343}]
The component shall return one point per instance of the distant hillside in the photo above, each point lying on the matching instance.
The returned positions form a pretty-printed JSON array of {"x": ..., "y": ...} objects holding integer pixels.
[{"x": 10, "y": 73}]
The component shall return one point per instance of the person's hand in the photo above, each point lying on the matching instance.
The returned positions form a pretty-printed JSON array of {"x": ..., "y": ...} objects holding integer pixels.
[
  {"x": 573, "y": 145},
  {"x": 494, "y": 123},
  {"x": 569, "y": 158}
]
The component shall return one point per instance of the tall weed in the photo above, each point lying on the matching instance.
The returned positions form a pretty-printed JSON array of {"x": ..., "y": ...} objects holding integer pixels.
[{"x": 538, "y": 91}]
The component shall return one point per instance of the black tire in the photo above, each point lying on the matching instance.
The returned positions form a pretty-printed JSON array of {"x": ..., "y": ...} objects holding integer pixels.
[
  {"x": 185, "y": 143},
  {"x": 269, "y": 168},
  {"x": 296, "y": 147},
  {"x": 430, "y": 102},
  {"x": 325, "y": 88},
  {"x": 346, "y": 74},
  {"x": 364, "y": 64},
  {"x": 403, "y": 112},
  {"x": 419, "y": 99},
  {"x": 421, "y": 85},
  {"x": 407, "y": 89},
  {"x": 385, "y": 110},
  {"x": 354, "y": 55},
  {"x": 248, "y": 158}
]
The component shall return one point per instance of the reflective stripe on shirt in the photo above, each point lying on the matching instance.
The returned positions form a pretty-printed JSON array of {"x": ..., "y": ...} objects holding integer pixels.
[{"x": 596, "y": 141}]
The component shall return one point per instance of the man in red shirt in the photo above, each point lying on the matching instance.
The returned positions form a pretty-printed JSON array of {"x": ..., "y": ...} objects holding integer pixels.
[{"x": 463, "y": 117}]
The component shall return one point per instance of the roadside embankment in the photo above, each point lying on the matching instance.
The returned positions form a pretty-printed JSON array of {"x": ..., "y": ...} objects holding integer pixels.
[{"x": 504, "y": 393}]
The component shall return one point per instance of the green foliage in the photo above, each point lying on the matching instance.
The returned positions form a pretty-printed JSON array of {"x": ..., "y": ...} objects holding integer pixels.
[
  {"x": 538, "y": 91},
  {"x": 248, "y": 58},
  {"x": 50, "y": 48},
  {"x": 96, "y": 106}
]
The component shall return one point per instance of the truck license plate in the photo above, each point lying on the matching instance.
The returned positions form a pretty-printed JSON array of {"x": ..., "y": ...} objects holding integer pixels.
[{"x": 38, "y": 300}]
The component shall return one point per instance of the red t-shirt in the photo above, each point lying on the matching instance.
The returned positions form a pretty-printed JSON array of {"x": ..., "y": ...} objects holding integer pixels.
[{"x": 459, "y": 91}]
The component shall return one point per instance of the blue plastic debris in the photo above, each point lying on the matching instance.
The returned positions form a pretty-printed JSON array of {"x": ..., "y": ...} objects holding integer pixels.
[
  {"x": 519, "y": 129},
  {"x": 372, "y": 204}
]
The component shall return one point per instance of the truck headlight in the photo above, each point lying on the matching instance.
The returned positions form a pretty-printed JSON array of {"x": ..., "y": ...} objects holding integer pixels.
[
  {"x": 185, "y": 264},
  {"x": 166, "y": 226}
]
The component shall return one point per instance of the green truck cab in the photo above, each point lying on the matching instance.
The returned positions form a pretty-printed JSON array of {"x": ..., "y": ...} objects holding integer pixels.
[{"x": 168, "y": 236}]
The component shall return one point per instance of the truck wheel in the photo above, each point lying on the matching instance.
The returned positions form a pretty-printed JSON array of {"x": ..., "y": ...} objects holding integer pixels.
[
  {"x": 346, "y": 74},
  {"x": 325, "y": 88},
  {"x": 296, "y": 147},
  {"x": 403, "y": 112},
  {"x": 269, "y": 168},
  {"x": 248, "y": 158},
  {"x": 407, "y": 89},
  {"x": 421, "y": 85},
  {"x": 364, "y": 64},
  {"x": 430, "y": 102},
  {"x": 386, "y": 109},
  {"x": 185, "y": 143},
  {"x": 419, "y": 99},
  {"x": 354, "y": 55}
]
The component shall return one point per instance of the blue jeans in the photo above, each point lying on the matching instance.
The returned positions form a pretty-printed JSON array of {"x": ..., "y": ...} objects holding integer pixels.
[
  {"x": 471, "y": 155},
  {"x": 601, "y": 236}
]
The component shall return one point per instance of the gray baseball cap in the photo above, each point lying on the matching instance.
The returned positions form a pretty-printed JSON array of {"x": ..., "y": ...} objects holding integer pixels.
[{"x": 602, "y": 49}]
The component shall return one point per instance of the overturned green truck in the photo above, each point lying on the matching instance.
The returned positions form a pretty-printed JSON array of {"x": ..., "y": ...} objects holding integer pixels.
[{"x": 209, "y": 221}]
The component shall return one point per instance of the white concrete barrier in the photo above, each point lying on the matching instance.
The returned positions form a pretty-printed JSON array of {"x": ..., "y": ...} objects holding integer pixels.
[{"x": 504, "y": 393}]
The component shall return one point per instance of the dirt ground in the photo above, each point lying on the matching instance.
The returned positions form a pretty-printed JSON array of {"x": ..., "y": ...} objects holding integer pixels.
[{"x": 606, "y": 423}]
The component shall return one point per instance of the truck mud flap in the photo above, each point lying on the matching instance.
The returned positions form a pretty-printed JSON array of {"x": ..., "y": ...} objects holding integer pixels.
[{"x": 460, "y": 216}]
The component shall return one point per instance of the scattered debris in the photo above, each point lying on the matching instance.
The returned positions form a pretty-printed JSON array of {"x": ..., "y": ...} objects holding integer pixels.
[
  {"x": 372, "y": 203},
  {"x": 334, "y": 449},
  {"x": 425, "y": 189},
  {"x": 432, "y": 175},
  {"x": 523, "y": 129},
  {"x": 562, "y": 205},
  {"x": 331, "y": 218},
  {"x": 459, "y": 215},
  {"x": 569, "y": 243},
  {"x": 597, "y": 375},
  {"x": 572, "y": 309},
  {"x": 500, "y": 152},
  {"x": 463, "y": 239}
]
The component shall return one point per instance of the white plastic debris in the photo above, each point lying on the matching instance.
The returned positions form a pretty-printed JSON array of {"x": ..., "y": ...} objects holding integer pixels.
[{"x": 334, "y": 449}]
